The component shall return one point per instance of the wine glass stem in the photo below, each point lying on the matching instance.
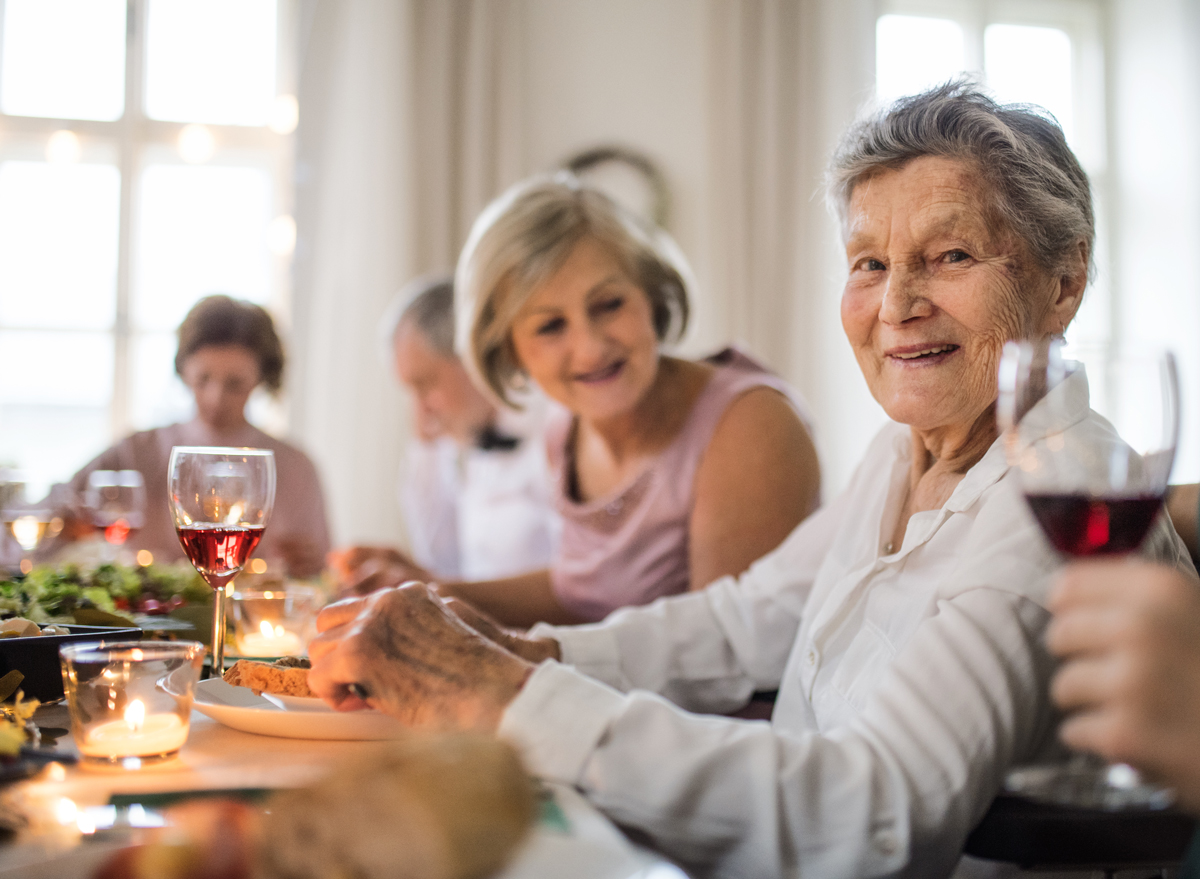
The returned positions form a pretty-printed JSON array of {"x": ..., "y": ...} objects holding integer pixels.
[{"x": 218, "y": 635}]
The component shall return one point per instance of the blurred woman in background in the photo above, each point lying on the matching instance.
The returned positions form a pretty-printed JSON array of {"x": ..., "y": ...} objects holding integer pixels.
[
  {"x": 668, "y": 473},
  {"x": 227, "y": 348}
]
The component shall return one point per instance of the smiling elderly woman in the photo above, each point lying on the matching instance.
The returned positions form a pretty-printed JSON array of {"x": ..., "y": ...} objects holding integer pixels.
[{"x": 902, "y": 624}]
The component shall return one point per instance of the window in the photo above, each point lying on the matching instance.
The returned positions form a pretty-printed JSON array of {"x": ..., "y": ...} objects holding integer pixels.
[{"x": 145, "y": 161}]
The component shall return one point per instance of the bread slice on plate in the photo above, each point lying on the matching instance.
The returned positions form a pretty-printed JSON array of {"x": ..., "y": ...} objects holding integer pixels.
[{"x": 284, "y": 677}]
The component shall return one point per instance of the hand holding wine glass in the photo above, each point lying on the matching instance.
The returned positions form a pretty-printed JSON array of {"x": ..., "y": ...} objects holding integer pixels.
[
  {"x": 1093, "y": 492},
  {"x": 221, "y": 499}
]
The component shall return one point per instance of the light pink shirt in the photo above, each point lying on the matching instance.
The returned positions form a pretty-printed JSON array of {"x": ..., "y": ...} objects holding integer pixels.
[
  {"x": 631, "y": 546},
  {"x": 299, "y": 513}
]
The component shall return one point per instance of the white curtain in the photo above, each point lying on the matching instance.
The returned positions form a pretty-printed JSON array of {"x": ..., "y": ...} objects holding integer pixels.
[
  {"x": 408, "y": 127},
  {"x": 785, "y": 79}
]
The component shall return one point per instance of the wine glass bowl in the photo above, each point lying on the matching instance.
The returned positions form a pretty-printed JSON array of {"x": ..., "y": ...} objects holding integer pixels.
[
  {"x": 27, "y": 525},
  {"x": 221, "y": 500},
  {"x": 116, "y": 501},
  {"x": 1095, "y": 485},
  {"x": 1097, "y": 489}
]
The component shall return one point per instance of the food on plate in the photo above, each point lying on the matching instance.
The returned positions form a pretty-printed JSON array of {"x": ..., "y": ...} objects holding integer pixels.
[
  {"x": 424, "y": 807},
  {"x": 19, "y": 627},
  {"x": 287, "y": 676}
]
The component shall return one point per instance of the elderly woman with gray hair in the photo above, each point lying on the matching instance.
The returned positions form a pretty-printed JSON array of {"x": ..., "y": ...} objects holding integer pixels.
[{"x": 902, "y": 624}]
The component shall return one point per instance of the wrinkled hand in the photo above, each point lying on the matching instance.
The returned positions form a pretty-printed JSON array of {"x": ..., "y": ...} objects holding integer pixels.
[
  {"x": 1130, "y": 632},
  {"x": 414, "y": 659},
  {"x": 361, "y": 570},
  {"x": 514, "y": 640}
]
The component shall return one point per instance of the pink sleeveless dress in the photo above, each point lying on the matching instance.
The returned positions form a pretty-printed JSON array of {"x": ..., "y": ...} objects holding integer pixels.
[{"x": 631, "y": 546}]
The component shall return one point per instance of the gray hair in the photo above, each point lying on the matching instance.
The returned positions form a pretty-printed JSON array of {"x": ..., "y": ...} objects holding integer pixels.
[
  {"x": 523, "y": 237},
  {"x": 428, "y": 304},
  {"x": 1040, "y": 192}
]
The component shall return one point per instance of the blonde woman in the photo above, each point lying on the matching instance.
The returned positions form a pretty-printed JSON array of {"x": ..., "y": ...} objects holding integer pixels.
[{"x": 670, "y": 473}]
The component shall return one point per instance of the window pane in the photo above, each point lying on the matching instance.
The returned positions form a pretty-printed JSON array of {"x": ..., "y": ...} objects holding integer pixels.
[
  {"x": 58, "y": 244},
  {"x": 64, "y": 59},
  {"x": 211, "y": 61},
  {"x": 56, "y": 369},
  {"x": 1031, "y": 65},
  {"x": 913, "y": 53},
  {"x": 158, "y": 395},
  {"x": 201, "y": 230},
  {"x": 49, "y": 443}
]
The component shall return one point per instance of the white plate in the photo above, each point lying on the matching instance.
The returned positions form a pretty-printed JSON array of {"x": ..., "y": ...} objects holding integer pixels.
[
  {"x": 298, "y": 703},
  {"x": 239, "y": 708}
]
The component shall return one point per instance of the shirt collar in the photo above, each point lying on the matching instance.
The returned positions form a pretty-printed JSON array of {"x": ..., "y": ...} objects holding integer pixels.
[{"x": 1065, "y": 405}]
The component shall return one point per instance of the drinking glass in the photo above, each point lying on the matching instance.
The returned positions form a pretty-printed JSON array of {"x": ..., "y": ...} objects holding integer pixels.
[
  {"x": 270, "y": 623},
  {"x": 221, "y": 500},
  {"x": 1093, "y": 494},
  {"x": 116, "y": 500},
  {"x": 29, "y": 525}
]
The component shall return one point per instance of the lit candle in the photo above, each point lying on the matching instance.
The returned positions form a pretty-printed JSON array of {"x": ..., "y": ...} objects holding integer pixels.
[
  {"x": 137, "y": 735},
  {"x": 270, "y": 641}
]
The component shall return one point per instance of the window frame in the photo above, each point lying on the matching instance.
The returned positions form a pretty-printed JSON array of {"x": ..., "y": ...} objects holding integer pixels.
[{"x": 129, "y": 139}]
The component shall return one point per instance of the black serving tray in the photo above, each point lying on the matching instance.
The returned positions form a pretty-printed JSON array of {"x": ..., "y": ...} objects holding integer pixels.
[{"x": 37, "y": 657}]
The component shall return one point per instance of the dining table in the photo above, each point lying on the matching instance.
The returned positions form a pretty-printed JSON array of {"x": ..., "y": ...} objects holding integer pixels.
[{"x": 68, "y": 806}]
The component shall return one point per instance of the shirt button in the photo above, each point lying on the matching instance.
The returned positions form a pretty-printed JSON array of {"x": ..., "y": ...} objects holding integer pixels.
[{"x": 812, "y": 657}]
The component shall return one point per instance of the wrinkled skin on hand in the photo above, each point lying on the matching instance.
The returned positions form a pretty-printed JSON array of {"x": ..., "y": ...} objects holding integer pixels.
[
  {"x": 1130, "y": 632},
  {"x": 415, "y": 659},
  {"x": 533, "y": 649},
  {"x": 361, "y": 570}
]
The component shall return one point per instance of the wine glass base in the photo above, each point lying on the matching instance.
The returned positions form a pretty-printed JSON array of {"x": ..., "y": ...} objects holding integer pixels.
[{"x": 1087, "y": 784}]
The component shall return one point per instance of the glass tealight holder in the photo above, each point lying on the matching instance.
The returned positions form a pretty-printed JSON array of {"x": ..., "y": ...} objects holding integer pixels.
[
  {"x": 269, "y": 623},
  {"x": 130, "y": 702}
]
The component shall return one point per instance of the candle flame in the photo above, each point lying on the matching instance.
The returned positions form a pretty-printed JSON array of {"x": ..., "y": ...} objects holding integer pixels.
[
  {"x": 266, "y": 629},
  {"x": 135, "y": 714}
]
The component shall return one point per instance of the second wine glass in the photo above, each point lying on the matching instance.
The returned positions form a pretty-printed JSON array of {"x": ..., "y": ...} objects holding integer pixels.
[
  {"x": 1095, "y": 489},
  {"x": 221, "y": 500}
]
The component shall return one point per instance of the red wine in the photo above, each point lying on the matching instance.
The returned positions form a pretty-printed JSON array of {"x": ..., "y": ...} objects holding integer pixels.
[
  {"x": 1080, "y": 525},
  {"x": 219, "y": 550}
]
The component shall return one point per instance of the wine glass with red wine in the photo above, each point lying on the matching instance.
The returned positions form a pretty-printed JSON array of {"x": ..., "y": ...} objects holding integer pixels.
[
  {"x": 1095, "y": 490},
  {"x": 221, "y": 499}
]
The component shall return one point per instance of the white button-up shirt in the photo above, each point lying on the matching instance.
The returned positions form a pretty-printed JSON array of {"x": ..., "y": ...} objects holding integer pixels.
[
  {"x": 476, "y": 514},
  {"x": 908, "y": 684}
]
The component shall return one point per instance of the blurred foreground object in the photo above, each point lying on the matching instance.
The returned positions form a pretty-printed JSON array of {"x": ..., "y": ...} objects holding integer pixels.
[{"x": 425, "y": 807}]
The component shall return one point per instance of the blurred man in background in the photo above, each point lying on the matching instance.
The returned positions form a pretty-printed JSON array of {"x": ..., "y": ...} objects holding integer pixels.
[{"x": 475, "y": 490}]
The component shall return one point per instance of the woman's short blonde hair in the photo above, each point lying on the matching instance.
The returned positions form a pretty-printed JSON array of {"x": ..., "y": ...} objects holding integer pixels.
[{"x": 522, "y": 238}]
